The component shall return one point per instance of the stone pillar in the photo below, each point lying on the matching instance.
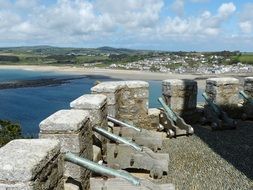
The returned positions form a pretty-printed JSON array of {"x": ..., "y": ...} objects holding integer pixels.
[
  {"x": 112, "y": 91},
  {"x": 96, "y": 105},
  {"x": 180, "y": 95},
  {"x": 72, "y": 129},
  {"x": 154, "y": 120},
  {"x": 133, "y": 103},
  {"x": 223, "y": 91},
  {"x": 248, "y": 86},
  {"x": 31, "y": 164},
  {"x": 127, "y": 100}
]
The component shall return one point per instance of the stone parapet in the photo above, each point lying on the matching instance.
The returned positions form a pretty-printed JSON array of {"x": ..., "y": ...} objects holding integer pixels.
[
  {"x": 153, "y": 115},
  {"x": 248, "y": 86},
  {"x": 96, "y": 106},
  {"x": 133, "y": 103},
  {"x": 223, "y": 91},
  {"x": 127, "y": 100},
  {"x": 180, "y": 94},
  {"x": 72, "y": 128},
  {"x": 112, "y": 91},
  {"x": 34, "y": 164}
]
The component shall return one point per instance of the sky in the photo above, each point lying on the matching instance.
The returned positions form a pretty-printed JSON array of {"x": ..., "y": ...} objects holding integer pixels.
[{"x": 173, "y": 25}]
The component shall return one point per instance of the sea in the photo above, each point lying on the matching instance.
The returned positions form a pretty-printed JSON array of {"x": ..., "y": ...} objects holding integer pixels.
[{"x": 30, "y": 105}]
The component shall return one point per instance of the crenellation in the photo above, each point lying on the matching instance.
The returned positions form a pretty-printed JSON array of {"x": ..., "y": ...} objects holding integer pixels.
[
  {"x": 248, "y": 86},
  {"x": 181, "y": 95},
  {"x": 223, "y": 91},
  {"x": 38, "y": 165},
  {"x": 72, "y": 128},
  {"x": 96, "y": 106}
]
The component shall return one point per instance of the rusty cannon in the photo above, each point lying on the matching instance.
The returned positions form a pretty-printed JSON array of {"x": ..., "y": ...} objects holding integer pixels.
[
  {"x": 117, "y": 179},
  {"x": 173, "y": 124},
  {"x": 247, "y": 106},
  {"x": 126, "y": 154},
  {"x": 143, "y": 137},
  {"x": 216, "y": 116}
]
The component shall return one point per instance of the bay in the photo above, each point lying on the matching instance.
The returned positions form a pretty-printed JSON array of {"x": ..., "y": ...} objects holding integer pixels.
[{"x": 29, "y": 106}]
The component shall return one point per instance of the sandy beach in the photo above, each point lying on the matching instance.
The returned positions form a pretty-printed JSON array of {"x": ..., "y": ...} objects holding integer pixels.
[{"x": 122, "y": 74}]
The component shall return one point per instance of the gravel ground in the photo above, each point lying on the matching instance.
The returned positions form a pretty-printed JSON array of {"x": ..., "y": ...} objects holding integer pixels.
[{"x": 211, "y": 159}]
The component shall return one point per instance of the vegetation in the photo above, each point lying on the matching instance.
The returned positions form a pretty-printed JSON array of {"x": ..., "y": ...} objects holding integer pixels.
[
  {"x": 104, "y": 56},
  {"x": 9, "y": 131},
  {"x": 71, "y": 56},
  {"x": 243, "y": 58}
]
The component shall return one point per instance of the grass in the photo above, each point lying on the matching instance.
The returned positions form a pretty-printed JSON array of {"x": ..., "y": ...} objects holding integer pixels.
[{"x": 244, "y": 58}]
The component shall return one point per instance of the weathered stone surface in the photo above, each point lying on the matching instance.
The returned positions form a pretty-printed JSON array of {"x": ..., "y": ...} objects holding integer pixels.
[
  {"x": 223, "y": 91},
  {"x": 153, "y": 115},
  {"x": 127, "y": 100},
  {"x": 133, "y": 103},
  {"x": 248, "y": 86},
  {"x": 22, "y": 160},
  {"x": 136, "y": 84},
  {"x": 31, "y": 164},
  {"x": 222, "y": 81},
  {"x": 89, "y": 101},
  {"x": 75, "y": 136},
  {"x": 180, "y": 95},
  {"x": 97, "y": 153},
  {"x": 64, "y": 120},
  {"x": 97, "y": 114},
  {"x": 107, "y": 87},
  {"x": 113, "y": 110}
]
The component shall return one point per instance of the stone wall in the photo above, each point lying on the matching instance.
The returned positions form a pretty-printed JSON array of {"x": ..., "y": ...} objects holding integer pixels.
[
  {"x": 180, "y": 95},
  {"x": 34, "y": 164},
  {"x": 96, "y": 106},
  {"x": 248, "y": 86},
  {"x": 223, "y": 91},
  {"x": 127, "y": 100},
  {"x": 72, "y": 128},
  {"x": 112, "y": 90},
  {"x": 133, "y": 103}
]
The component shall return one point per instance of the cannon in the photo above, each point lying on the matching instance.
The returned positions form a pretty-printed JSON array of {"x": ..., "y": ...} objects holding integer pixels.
[
  {"x": 143, "y": 137},
  {"x": 173, "y": 124},
  {"x": 117, "y": 179},
  {"x": 126, "y": 154},
  {"x": 247, "y": 106},
  {"x": 216, "y": 116}
]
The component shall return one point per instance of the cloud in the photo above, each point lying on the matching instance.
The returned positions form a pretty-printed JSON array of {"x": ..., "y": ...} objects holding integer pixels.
[
  {"x": 226, "y": 9},
  {"x": 109, "y": 22},
  {"x": 246, "y": 19},
  {"x": 131, "y": 14},
  {"x": 205, "y": 24},
  {"x": 178, "y": 7},
  {"x": 26, "y": 4}
]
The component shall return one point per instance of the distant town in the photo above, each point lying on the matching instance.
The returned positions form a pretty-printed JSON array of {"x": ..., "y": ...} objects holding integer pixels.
[
  {"x": 190, "y": 63},
  {"x": 128, "y": 59}
]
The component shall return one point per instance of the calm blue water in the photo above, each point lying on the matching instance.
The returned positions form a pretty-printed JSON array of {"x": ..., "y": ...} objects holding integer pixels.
[{"x": 29, "y": 106}]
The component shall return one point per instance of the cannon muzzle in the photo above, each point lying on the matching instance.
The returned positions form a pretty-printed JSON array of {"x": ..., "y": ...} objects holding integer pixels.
[
  {"x": 118, "y": 122},
  {"x": 116, "y": 138},
  {"x": 246, "y": 97},
  {"x": 169, "y": 112},
  {"x": 215, "y": 108}
]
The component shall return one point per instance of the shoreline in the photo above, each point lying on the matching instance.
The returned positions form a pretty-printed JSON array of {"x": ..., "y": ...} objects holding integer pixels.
[{"x": 122, "y": 74}]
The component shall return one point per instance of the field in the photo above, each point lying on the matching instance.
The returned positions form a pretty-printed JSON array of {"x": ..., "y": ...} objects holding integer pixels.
[
  {"x": 243, "y": 58},
  {"x": 101, "y": 57},
  {"x": 246, "y": 58}
]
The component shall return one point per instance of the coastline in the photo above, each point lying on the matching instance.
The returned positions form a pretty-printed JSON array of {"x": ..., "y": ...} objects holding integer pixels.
[{"x": 121, "y": 74}]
